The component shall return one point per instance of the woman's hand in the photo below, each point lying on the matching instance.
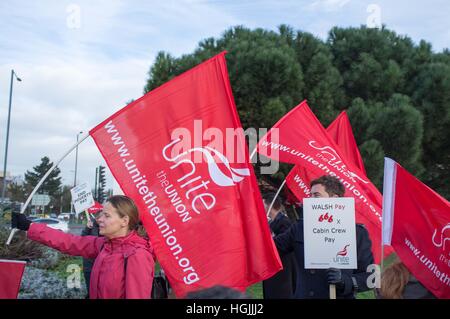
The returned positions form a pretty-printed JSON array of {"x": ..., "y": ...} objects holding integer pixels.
[{"x": 20, "y": 221}]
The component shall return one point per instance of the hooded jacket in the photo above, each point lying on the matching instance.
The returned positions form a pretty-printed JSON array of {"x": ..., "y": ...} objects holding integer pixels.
[{"x": 110, "y": 279}]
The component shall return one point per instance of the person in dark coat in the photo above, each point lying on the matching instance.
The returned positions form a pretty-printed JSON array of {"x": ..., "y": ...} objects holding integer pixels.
[
  {"x": 91, "y": 229},
  {"x": 314, "y": 283},
  {"x": 282, "y": 284}
]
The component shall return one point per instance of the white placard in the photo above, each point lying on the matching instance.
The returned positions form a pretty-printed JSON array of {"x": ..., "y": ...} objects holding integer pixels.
[
  {"x": 82, "y": 197},
  {"x": 329, "y": 233}
]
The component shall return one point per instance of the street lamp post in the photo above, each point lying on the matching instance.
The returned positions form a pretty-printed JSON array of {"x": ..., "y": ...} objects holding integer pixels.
[
  {"x": 13, "y": 74},
  {"x": 76, "y": 166}
]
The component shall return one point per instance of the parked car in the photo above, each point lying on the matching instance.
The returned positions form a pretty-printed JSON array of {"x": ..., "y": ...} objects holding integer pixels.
[
  {"x": 53, "y": 223},
  {"x": 64, "y": 216}
]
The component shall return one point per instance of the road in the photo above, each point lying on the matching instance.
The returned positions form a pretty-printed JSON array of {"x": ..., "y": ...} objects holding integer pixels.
[{"x": 75, "y": 229}]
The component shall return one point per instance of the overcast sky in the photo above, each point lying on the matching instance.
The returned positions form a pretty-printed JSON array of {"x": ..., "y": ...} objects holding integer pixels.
[{"x": 80, "y": 61}]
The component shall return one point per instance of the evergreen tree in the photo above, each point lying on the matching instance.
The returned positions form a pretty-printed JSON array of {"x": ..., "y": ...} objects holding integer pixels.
[
  {"x": 323, "y": 88},
  {"x": 16, "y": 192},
  {"x": 161, "y": 71},
  {"x": 397, "y": 93},
  {"x": 432, "y": 97},
  {"x": 52, "y": 184}
]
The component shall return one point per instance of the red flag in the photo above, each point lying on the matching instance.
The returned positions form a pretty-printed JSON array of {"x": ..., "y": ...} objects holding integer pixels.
[
  {"x": 299, "y": 138},
  {"x": 340, "y": 130},
  {"x": 416, "y": 222},
  {"x": 299, "y": 179},
  {"x": 171, "y": 151},
  {"x": 11, "y": 272},
  {"x": 97, "y": 207}
]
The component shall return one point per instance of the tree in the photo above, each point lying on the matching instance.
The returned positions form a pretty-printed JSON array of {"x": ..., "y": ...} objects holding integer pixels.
[
  {"x": 323, "y": 81},
  {"x": 373, "y": 156},
  {"x": 370, "y": 61},
  {"x": 399, "y": 129},
  {"x": 161, "y": 71},
  {"x": 397, "y": 93},
  {"x": 393, "y": 129},
  {"x": 324, "y": 91},
  {"x": 65, "y": 199},
  {"x": 16, "y": 192},
  {"x": 52, "y": 184},
  {"x": 306, "y": 46},
  {"x": 432, "y": 97},
  {"x": 262, "y": 68}
]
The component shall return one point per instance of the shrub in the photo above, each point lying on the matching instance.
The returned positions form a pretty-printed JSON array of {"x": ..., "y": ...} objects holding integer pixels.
[{"x": 42, "y": 284}]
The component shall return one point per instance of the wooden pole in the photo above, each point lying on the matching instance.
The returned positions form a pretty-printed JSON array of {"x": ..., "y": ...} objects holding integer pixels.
[{"x": 332, "y": 291}]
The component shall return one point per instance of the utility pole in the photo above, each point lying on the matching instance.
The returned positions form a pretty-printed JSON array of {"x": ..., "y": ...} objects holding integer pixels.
[
  {"x": 95, "y": 185},
  {"x": 7, "y": 131}
]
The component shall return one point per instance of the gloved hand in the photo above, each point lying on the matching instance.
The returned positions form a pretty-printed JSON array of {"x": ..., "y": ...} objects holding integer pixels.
[
  {"x": 20, "y": 221},
  {"x": 334, "y": 277}
]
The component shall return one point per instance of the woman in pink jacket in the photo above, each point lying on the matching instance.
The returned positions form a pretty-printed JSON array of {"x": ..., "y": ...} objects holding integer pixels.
[{"x": 124, "y": 263}]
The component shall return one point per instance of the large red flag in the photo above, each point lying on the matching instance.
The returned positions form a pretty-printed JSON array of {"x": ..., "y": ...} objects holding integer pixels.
[
  {"x": 299, "y": 179},
  {"x": 11, "y": 272},
  {"x": 299, "y": 138},
  {"x": 340, "y": 131},
  {"x": 416, "y": 222},
  {"x": 180, "y": 153}
]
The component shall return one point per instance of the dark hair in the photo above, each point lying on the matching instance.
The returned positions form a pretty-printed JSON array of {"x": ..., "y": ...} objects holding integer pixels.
[
  {"x": 268, "y": 198},
  {"x": 216, "y": 292},
  {"x": 333, "y": 185},
  {"x": 125, "y": 206}
]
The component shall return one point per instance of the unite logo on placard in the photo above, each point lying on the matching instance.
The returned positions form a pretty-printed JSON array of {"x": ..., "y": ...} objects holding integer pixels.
[{"x": 341, "y": 256}]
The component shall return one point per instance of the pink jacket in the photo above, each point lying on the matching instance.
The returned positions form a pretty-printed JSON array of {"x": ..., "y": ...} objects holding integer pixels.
[{"x": 108, "y": 278}]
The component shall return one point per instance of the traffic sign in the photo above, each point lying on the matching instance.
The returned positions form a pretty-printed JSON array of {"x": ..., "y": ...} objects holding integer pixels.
[{"x": 40, "y": 200}]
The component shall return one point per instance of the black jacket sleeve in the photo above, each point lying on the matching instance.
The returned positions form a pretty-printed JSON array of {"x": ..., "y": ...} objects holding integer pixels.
[
  {"x": 86, "y": 231},
  {"x": 94, "y": 231},
  {"x": 285, "y": 242},
  {"x": 280, "y": 224},
  {"x": 365, "y": 258}
]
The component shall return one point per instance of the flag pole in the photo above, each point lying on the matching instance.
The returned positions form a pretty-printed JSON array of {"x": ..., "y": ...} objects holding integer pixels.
[
  {"x": 275, "y": 197},
  {"x": 278, "y": 191},
  {"x": 382, "y": 247},
  {"x": 388, "y": 179},
  {"x": 332, "y": 291},
  {"x": 253, "y": 154},
  {"x": 24, "y": 207}
]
